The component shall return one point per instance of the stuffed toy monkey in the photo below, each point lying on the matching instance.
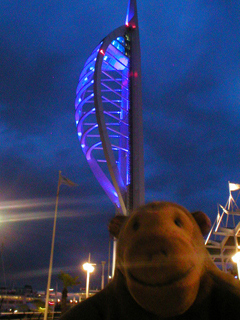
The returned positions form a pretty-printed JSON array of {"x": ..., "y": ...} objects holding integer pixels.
[{"x": 163, "y": 271}]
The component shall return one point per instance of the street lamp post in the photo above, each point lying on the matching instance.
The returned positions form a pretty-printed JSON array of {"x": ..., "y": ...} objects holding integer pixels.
[
  {"x": 89, "y": 267},
  {"x": 102, "y": 284}
]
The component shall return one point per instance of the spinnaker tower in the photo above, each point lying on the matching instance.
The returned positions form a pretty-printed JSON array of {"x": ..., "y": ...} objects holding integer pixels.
[{"x": 109, "y": 114}]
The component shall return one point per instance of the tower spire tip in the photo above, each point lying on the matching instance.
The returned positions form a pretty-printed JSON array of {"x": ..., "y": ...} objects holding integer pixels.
[{"x": 131, "y": 17}]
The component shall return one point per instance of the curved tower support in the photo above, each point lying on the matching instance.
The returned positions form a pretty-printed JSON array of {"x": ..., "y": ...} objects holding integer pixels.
[{"x": 109, "y": 115}]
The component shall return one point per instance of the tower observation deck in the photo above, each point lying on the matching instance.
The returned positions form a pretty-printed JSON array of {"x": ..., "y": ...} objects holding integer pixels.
[{"x": 109, "y": 114}]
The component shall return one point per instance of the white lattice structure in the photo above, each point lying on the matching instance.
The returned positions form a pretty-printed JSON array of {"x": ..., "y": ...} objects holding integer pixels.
[{"x": 223, "y": 240}]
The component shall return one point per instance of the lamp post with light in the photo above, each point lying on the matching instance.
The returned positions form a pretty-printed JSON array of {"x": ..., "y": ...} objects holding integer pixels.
[
  {"x": 102, "y": 282},
  {"x": 236, "y": 259},
  {"x": 89, "y": 267}
]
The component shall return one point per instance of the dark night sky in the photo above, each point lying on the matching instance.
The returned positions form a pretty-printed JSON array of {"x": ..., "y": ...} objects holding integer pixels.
[{"x": 191, "y": 97}]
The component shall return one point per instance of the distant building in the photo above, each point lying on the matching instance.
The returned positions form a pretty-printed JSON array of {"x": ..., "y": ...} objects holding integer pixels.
[{"x": 11, "y": 299}]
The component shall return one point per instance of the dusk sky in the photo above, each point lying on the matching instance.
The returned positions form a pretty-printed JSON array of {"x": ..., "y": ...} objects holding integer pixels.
[{"x": 191, "y": 109}]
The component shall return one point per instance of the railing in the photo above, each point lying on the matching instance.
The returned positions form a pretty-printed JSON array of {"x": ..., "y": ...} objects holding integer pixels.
[{"x": 28, "y": 315}]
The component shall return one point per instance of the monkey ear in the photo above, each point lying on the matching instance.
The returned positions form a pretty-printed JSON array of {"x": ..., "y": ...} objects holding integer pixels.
[
  {"x": 203, "y": 221},
  {"x": 115, "y": 225}
]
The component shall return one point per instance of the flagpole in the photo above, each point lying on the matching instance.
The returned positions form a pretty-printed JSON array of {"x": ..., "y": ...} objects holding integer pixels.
[{"x": 52, "y": 250}]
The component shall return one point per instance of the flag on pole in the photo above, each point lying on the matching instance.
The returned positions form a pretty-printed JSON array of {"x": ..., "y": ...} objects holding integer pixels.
[
  {"x": 234, "y": 186},
  {"x": 66, "y": 181}
]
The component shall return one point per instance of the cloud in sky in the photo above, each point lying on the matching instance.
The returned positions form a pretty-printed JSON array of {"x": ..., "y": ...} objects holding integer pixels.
[{"x": 191, "y": 71}]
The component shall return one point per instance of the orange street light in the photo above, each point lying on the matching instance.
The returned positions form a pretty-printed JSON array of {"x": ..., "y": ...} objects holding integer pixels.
[{"x": 89, "y": 267}]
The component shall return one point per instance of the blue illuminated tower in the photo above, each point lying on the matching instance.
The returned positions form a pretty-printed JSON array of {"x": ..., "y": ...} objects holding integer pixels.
[{"x": 109, "y": 114}]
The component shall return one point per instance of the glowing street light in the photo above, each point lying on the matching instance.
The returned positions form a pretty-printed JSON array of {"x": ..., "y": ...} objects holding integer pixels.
[
  {"x": 236, "y": 259},
  {"x": 89, "y": 267}
]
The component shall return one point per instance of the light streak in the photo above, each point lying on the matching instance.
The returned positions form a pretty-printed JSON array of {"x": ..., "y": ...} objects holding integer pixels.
[
  {"x": 23, "y": 204},
  {"x": 20, "y": 217},
  {"x": 43, "y": 209},
  {"x": 42, "y": 272},
  {"x": 38, "y": 202}
]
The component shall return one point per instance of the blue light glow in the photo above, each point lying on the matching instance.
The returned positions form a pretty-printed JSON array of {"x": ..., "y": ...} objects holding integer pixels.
[
  {"x": 119, "y": 45},
  {"x": 112, "y": 77},
  {"x": 120, "y": 39}
]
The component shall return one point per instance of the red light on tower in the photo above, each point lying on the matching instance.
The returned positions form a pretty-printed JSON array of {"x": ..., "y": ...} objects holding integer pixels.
[{"x": 102, "y": 52}]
